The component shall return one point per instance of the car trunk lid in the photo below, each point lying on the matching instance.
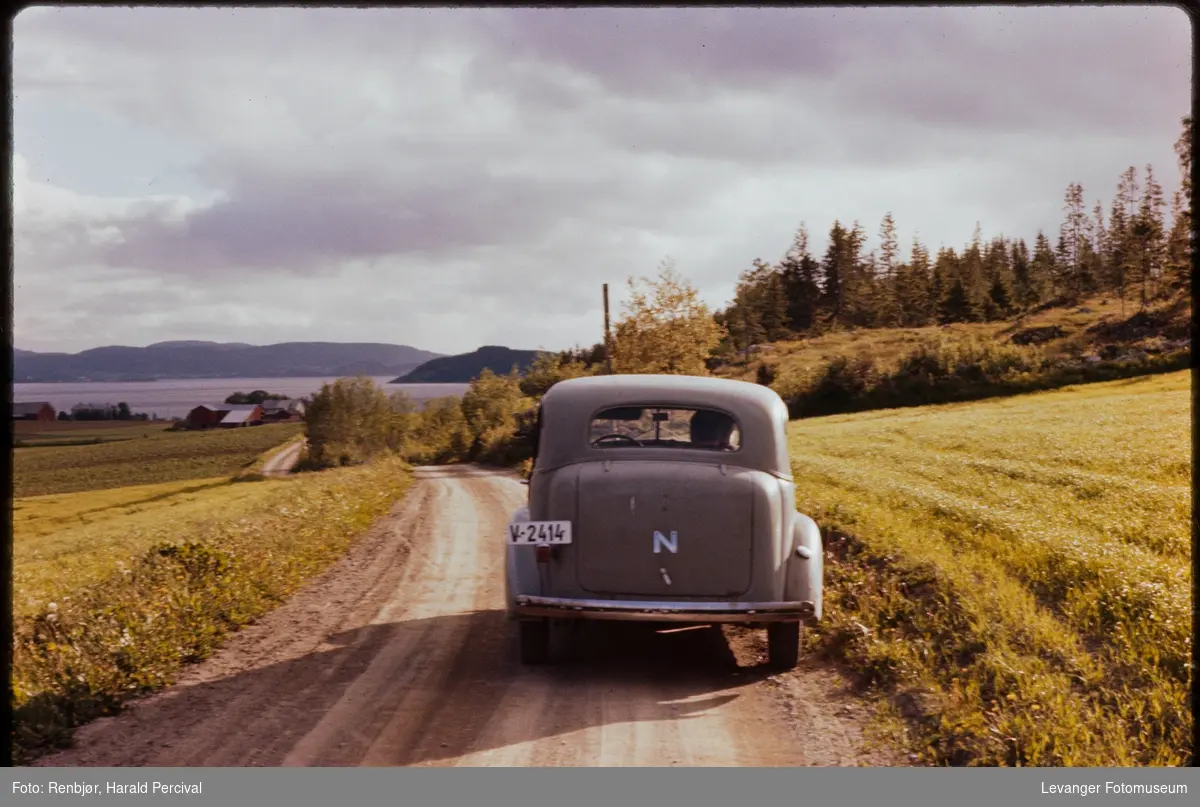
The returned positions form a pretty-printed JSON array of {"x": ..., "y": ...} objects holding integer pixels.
[{"x": 664, "y": 529}]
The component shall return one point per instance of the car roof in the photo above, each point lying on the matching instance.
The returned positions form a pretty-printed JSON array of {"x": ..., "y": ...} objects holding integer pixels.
[{"x": 568, "y": 407}]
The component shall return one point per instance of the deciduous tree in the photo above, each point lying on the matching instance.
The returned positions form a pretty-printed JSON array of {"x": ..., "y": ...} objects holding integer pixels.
[{"x": 665, "y": 327}]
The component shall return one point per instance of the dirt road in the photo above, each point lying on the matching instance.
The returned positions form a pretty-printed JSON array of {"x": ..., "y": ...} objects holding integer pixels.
[
  {"x": 401, "y": 655},
  {"x": 282, "y": 463}
]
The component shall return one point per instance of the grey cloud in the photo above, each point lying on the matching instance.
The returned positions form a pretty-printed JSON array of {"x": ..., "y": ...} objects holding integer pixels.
[
  {"x": 303, "y": 224},
  {"x": 940, "y": 66},
  {"x": 130, "y": 304},
  {"x": 652, "y": 52}
]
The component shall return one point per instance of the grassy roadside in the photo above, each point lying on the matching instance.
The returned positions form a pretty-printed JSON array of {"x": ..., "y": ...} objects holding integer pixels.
[
  {"x": 81, "y": 654},
  {"x": 1015, "y": 575}
]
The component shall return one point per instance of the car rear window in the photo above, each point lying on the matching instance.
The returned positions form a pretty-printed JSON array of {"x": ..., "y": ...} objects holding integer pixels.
[{"x": 664, "y": 427}]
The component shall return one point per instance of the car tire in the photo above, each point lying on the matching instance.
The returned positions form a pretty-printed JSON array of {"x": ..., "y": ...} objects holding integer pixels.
[
  {"x": 535, "y": 641},
  {"x": 783, "y": 645}
]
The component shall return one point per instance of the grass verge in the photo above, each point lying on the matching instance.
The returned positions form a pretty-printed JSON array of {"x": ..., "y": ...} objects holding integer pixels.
[
  {"x": 1015, "y": 575},
  {"x": 81, "y": 655}
]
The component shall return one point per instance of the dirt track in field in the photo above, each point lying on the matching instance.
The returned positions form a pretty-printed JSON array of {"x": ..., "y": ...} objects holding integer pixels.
[
  {"x": 281, "y": 464},
  {"x": 401, "y": 654}
]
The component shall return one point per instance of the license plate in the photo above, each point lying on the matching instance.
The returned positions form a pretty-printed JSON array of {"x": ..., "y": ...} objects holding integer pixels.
[{"x": 540, "y": 532}]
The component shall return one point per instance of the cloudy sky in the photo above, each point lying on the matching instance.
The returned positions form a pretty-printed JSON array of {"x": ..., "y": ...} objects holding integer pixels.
[{"x": 454, "y": 177}]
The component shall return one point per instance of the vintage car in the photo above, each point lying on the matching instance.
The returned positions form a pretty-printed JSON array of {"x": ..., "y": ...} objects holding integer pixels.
[{"x": 662, "y": 498}]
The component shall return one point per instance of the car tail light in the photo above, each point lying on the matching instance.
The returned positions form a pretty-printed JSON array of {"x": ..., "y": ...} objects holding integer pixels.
[{"x": 543, "y": 554}]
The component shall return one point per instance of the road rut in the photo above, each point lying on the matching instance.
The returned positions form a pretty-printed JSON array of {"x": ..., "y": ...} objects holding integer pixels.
[{"x": 400, "y": 654}]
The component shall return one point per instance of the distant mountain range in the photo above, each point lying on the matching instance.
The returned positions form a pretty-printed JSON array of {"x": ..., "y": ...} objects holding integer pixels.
[
  {"x": 461, "y": 369},
  {"x": 219, "y": 360}
]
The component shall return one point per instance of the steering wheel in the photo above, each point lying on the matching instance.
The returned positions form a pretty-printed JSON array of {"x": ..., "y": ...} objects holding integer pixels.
[{"x": 617, "y": 436}]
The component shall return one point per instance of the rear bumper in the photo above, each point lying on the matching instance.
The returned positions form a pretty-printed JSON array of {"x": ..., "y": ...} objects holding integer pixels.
[{"x": 654, "y": 611}]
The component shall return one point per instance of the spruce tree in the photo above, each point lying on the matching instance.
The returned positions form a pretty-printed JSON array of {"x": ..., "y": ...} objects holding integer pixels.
[
  {"x": 1150, "y": 236},
  {"x": 913, "y": 288},
  {"x": 889, "y": 250},
  {"x": 800, "y": 273},
  {"x": 1073, "y": 235},
  {"x": 1096, "y": 270},
  {"x": 971, "y": 263},
  {"x": 1024, "y": 290},
  {"x": 998, "y": 302},
  {"x": 1042, "y": 268},
  {"x": 832, "y": 274},
  {"x": 1117, "y": 251},
  {"x": 956, "y": 304},
  {"x": 1179, "y": 251}
]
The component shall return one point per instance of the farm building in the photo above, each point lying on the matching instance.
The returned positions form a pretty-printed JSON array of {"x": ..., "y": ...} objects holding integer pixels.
[
  {"x": 224, "y": 415},
  {"x": 37, "y": 410},
  {"x": 242, "y": 417},
  {"x": 282, "y": 410}
]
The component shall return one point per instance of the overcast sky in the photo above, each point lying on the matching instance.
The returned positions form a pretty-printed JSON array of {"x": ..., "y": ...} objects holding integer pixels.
[{"x": 447, "y": 178}]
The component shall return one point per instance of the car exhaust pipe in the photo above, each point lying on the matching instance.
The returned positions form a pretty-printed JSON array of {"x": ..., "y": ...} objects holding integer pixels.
[{"x": 807, "y": 609}]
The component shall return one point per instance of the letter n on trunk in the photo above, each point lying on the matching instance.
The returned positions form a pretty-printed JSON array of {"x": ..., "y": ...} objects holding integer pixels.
[{"x": 662, "y": 542}]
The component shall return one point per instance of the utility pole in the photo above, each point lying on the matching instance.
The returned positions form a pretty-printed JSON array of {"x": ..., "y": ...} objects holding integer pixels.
[{"x": 607, "y": 336}]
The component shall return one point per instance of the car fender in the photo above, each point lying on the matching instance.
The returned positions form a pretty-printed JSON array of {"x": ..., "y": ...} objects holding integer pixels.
[
  {"x": 521, "y": 572},
  {"x": 805, "y": 563}
]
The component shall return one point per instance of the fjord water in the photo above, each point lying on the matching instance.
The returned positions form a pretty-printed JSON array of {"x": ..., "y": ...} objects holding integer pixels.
[{"x": 176, "y": 397}]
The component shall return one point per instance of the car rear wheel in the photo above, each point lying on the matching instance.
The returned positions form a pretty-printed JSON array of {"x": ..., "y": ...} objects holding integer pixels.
[
  {"x": 783, "y": 645},
  {"x": 535, "y": 641}
]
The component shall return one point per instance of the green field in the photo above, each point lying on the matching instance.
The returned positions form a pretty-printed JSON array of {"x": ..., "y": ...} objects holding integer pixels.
[
  {"x": 1015, "y": 575},
  {"x": 152, "y": 456},
  {"x": 31, "y": 433}
]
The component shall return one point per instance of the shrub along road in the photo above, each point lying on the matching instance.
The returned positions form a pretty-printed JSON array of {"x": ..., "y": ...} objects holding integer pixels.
[{"x": 400, "y": 654}]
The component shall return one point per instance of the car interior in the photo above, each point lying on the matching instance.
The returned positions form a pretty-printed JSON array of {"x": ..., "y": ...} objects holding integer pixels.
[{"x": 664, "y": 427}]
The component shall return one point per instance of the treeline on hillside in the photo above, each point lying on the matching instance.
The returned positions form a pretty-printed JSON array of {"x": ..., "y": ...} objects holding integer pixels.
[{"x": 1132, "y": 254}]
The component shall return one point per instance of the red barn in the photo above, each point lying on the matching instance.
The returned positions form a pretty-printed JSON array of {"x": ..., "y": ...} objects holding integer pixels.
[
  {"x": 203, "y": 417},
  {"x": 38, "y": 410},
  {"x": 224, "y": 415},
  {"x": 242, "y": 416}
]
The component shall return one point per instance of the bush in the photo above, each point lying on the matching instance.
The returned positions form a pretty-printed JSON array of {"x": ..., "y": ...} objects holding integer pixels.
[
  {"x": 439, "y": 433},
  {"x": 765, "y": 374},
  {"x": 349, "y": 422}
]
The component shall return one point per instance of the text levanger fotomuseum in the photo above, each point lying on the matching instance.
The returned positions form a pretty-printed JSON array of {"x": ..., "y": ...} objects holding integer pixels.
[{"x": 1115, "y": 788}]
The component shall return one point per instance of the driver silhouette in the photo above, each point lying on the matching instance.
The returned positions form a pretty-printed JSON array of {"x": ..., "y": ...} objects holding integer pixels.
[{"x": 711, "y": 430}]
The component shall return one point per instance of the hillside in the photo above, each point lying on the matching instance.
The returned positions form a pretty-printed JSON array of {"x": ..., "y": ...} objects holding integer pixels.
[
  {"x": 461, "y": 369},
  {"x": 217, "y": 360},
  {"x": 1095, "y": 329}
]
